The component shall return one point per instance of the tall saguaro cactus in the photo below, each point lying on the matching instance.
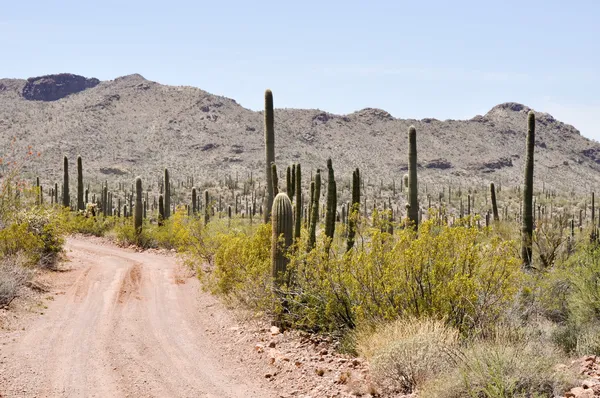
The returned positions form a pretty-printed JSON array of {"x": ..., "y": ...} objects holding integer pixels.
[
  {"x": 354, "y": 210},
  {"x": 298, "y": 191},
  {"x": 282, "y": 228},
  {"x": 194, "y": 201},
  {"x": 269, "y": 152},
  {"x": 527, "y": 225},
  {"x": 161, "y": 210},
  {"x": 413, "y": 198},
  {"x": 80, "y": 204},
  {"x": 314, "y": 215},
  {"x": 66, "y": 200},
  {"x": 494, "y": 204},
  {"x": 331, "y": 202},
  {"x": 167, "y": 195},
  {"x": 206, "y": 208},
  {"x": 139, "y": 210}
]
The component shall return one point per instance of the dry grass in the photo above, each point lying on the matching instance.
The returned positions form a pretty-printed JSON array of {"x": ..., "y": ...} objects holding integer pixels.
[
  {"x": 408, "y": 352},
  {"x": 13, "y": 277}
]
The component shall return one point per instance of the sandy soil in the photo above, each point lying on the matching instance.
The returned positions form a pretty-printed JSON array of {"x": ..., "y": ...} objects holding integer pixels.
[{"x": 126, "y": 324}]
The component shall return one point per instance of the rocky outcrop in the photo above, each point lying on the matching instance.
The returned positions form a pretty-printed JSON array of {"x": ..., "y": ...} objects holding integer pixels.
[{"x": 55, "y": 87}]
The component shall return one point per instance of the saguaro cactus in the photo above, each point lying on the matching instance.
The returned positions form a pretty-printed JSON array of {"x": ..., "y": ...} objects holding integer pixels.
[
  {"x": 289, "y": 184},
  {"x": 494, "y": 204},
  {"x": 66, "y": 200},
  {"x": 282, "y": 228},
  {"x": 331, "y": 202},
  {"x": 274, "y": 179},
  {"x": 206, "y": 208},
  {"x": 413, "y": 199},
  {"x": 139, "y": 210},
  {"x": 269, "y": 151},
  {"x": 314, "y": 215},
  {"x": 161, "y": 210},
  {"x": 167, "y": 195},
  {"x": 298, "y": 192},
  {"x": 527, "y": 225},
  {"x": 80, "y": 201},
  {"x": 354, "y": 210},
  {"x": 194, "y": 201}
]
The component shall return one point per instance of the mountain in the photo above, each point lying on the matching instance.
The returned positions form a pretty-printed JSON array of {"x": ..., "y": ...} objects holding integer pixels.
[{"x": 132, "y": 126}]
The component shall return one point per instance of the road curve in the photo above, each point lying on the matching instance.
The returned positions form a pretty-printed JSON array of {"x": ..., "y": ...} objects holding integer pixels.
[{"x": 129, "y": 326}]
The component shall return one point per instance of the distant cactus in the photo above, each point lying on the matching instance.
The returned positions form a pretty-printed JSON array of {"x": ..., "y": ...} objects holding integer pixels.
[
  {"x": 269, "y": 152},
  {"x": 331, "y": 202},
  {"x": 354, "y": 209},
  {"x": 282, "y": 229},
  {"x": 66, "y": 200},
  {"x": 413, "y": 199},
  {"x": 80, "y": 204},
  {"x": 206, "y": 208},
  {"x": 194, "y": 203},
  {"x": 167, "y": 195},
  {"x": 161, "y": 210},
  {"x": 139, "y": 210},
  {"x": 314, "y": 216},
  {"x": 527, "y": 225},
  {"x": 494, "y": 204},
  {"x": 289, "y": 183},
  {"x": 293, "y": 186},
  {"x": 274, "y": 179},
  {"x": 105, "y": 201},
  {"x": 298, "y": 191}
]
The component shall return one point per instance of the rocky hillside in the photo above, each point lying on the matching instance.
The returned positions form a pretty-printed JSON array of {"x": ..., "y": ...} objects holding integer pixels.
[{"x": 130, "y": 126}]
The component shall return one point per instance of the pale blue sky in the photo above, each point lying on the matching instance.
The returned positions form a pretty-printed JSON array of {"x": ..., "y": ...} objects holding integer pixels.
[{"x": 415, "y": 59}]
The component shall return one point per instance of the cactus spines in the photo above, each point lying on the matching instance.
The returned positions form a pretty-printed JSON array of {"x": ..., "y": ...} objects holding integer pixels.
[
  {"x": 282, "y": 227},
  {"x": 161, "y": 210},
  {"x": 80, "y": 204},
  {"x": 139, "y": 210},
  {"x": 494, "y": 203},
  {"x": 354, "y": 210},
  {"x": 527, "y": 224},
  {"x": 298, "y": 191},
  {"x": 66, "y": 200},
  {"x": 274, "y": 179},
  {"x": 269, "y": 151},
  {"x": 413, "y": 199},
  {"x": 331, "y": 202},
  {"x": 314, "y": 215},
  {"x": 194, "y": 201},
  {"x": 167, "y": 195}
]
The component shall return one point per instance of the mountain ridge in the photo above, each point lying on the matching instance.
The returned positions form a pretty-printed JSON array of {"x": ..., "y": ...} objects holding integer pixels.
[{"x": 139, "y": 126}]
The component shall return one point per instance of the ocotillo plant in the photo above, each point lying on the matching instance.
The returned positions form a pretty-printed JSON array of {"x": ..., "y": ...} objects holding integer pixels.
[
  {"x": 80, "y": 204},
  {"x": 161, "y": 210},
  {"x": 206, "y": 208},
  {"x": 413, "y": 199},
  {"x": 66, "y": 200},
  {"x": 527, "y": 225},
  {"x": 331, "y": 202},
  {"x": 314, "y": 216},
  {"x": 269, "y": 152},
  {"x": 298, "y": 191},
  {"x": 354, "y": 210},
  {"x": 139, "y": 210},
  {"x": 194, "y": 199},
  {"x": 167, "y": 195},
  {"x": 494, "y": 204},
  {"x": 282, "y": 229}
]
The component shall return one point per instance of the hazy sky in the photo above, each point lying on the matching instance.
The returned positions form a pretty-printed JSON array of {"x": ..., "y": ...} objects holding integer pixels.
[{"x": 415, "y": 59}]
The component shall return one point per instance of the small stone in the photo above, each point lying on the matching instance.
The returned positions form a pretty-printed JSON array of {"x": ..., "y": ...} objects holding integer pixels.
[
  {"x": 323, "y": 351},
  {"x": 590, "y": 383},
  {"x": 259, "y": 348},
  {"x": 274, "y": 331},
  {"x": 268, "y": 375},
  {"x": 272, "y": 344}
]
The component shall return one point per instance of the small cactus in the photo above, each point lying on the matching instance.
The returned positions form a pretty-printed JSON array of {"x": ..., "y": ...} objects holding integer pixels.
[
  {"x": 274, "y": 179},
  {"x": 66, "y": 200},
  {"x": 161, "y": 210},
  {"x": 206, "y": 208},
  {"x": 282, "y": 229},
  {"x": 354, "y": 210},
  {"x": 80, "y": 204},
  {"x": 494, "y": 204},
  {"x": 194, "y": 203},
  {"x": 314, "y": 216},
  {"x": 298, "y": 191},
  {"x": 331, "y": 202}
]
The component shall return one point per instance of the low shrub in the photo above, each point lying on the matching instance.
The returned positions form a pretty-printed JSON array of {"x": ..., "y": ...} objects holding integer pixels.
[{"x": 14, "y": 274}]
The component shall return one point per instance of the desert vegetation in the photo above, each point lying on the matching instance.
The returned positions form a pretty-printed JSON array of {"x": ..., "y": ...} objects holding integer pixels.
[{"x": 447, "y": 290}]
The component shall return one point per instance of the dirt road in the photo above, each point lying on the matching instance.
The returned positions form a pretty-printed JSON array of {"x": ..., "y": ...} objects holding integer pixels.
[{"x": 129, "y": 326}]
